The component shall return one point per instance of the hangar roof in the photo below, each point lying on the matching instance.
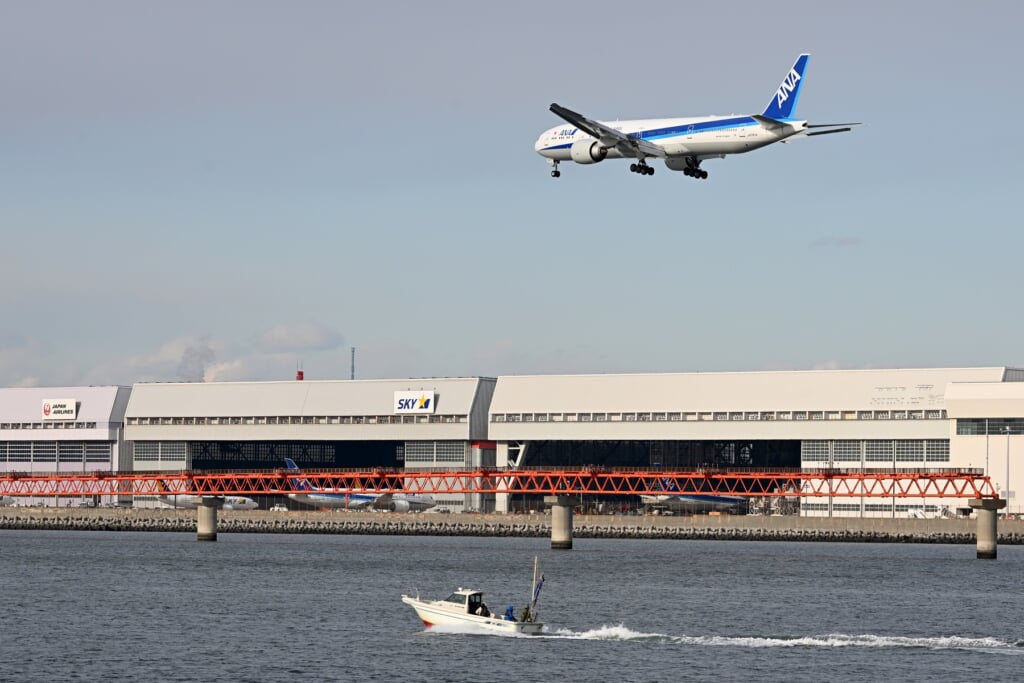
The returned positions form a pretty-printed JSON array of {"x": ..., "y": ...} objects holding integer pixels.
[
  {"x": 297, "y": 398},
  {"x": 101, "y": 405},
  {"x": 985, "y": 399},
  {"x": 735, "y": 391}
]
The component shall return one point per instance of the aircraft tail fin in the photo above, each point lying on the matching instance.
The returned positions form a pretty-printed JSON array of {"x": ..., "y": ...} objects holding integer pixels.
[
  {"x": 783, "y": 102},
  {"x": 300, "y": 484}
]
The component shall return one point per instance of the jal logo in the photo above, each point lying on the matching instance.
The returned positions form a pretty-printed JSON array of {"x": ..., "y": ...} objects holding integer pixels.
[
  {"x": 782, "y": 94},
  {"x": 46, "y": 410}
]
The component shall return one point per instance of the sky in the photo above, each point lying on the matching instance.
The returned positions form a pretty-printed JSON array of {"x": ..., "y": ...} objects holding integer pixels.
[{"x": 232, "y": 190}]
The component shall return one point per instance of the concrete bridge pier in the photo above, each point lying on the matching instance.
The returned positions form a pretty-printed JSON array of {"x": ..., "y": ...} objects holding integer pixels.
[
  {"x": 206, "y": 523},
  {"x": 561, "y": 521},
  {"x": 987, "y": 533}
]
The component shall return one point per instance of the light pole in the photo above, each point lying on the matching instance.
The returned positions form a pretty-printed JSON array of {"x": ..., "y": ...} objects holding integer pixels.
[{"x": 1007, "y": 430}]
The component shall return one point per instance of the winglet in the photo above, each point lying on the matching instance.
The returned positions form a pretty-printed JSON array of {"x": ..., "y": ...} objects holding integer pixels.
[{"x": 783, "y": 102}]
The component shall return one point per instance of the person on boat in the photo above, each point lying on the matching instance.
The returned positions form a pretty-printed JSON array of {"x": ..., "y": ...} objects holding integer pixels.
[{"x": 510, "y": 613}]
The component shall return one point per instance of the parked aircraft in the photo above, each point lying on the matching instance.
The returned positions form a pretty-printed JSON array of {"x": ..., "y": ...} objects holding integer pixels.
[
  {"x": 355, "y": 499},
  {"x": 695, "y": 503},
  {"x": 683, "y": 143},
  {"x": 190, "y": 502}
]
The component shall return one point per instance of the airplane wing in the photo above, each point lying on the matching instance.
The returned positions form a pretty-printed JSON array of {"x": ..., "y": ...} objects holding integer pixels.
[
  {"x": 381, "y": 502},
  {"x": 609, "y": 137}
]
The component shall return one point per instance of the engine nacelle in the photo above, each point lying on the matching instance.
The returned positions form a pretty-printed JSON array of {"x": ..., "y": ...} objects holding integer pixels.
[
  {"x": 677, "y": 163},
  {"x": 587, "y": 152},
  {"x": 398, "y": 506}
]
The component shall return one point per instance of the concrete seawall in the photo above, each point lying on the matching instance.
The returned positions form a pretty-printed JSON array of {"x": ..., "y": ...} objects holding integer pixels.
[{"x": 1011, "y": 532}]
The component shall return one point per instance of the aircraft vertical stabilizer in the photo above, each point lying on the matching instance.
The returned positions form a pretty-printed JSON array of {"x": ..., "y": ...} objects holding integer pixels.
[{"x": 783, "y": 102}]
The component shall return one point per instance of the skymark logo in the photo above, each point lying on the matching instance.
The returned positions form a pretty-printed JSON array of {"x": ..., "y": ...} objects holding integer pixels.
[
  {"x": 787, "y": 87},
  {"x": 421, "y": 403},
  {"x": 414, "y": 401}
]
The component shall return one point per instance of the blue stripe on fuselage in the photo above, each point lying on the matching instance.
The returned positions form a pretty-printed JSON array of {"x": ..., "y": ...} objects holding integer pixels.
[{"x": 679, "y": 130}]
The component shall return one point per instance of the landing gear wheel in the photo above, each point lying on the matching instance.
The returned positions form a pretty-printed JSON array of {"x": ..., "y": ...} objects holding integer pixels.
[
  {"x": 649, "y": 170},
  {"x": 556, "y": 173},
  {"x": 632, "y": 168}
]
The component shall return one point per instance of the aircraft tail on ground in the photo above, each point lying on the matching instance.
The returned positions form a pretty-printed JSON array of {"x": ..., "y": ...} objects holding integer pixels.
[
  {"x": 783, "y": 102},
  {"x": 300, "y": 484}
]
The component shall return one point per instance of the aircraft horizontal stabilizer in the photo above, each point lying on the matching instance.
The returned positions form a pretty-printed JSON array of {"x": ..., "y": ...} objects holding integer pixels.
[{"x": 826, "y": 132}]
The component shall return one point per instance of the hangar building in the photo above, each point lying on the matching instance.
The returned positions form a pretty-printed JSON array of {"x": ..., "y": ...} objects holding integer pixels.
[
  {"x": 418, "y": 424},
  {"x": 909, "y": 418},
  {"x": 69, "y": 430}
]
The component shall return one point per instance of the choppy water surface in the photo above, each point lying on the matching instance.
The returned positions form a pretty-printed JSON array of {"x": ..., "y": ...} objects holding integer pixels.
[{"x": 161, "y": 606}]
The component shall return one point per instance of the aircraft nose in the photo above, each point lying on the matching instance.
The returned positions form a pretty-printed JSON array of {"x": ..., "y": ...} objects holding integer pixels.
[{"x": 539, "y": 145}]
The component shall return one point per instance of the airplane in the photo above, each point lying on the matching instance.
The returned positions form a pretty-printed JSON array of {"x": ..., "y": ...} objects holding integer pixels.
[
  {"x": 694, "y": 502},
  {"x": 683, "y": 143},
  {"x": 355, "y": 499},
  {"x": 190, "y": 502}
]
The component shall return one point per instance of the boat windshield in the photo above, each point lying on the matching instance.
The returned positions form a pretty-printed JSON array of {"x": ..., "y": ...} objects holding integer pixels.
[{"x": 457, "y": 598}]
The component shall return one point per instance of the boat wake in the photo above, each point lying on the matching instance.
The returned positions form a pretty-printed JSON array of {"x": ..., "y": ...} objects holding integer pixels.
[{"x": 831, "y": 640}]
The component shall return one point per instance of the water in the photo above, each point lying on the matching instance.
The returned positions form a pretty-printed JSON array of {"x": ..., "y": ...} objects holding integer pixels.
[{"x": 163, "y": 607}]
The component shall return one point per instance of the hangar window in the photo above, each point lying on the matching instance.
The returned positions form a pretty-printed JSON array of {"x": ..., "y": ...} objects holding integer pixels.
[
  {"x": 814, "y": 451},
  {"x": 800, "y": 415},
  {"x": 937, "y": 450},
  {"x": 721, "y": 416},
  {"x": 71, "y": 452},
  {"x": 816, "y": 415},
  {"x": 881, "y": 414},
  {"x": 865, "y": 415},
  {"x": 847, "y": 451},
  {"x": 909, "y": 451},
  {"x": 878, "y": 507},
  {"x": 878, "y": 451},
  {"x": 98, "y": 451},
  {"x": 675, "y": 417},
  {"x": 19, "y": 451}
]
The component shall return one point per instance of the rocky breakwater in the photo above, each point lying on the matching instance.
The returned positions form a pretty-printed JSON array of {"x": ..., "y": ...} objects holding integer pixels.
[{"x": 750, "y": 528}]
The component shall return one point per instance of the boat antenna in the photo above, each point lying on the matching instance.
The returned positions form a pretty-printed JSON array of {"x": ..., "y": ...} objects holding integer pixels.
[{"x": 535, "y": 593}]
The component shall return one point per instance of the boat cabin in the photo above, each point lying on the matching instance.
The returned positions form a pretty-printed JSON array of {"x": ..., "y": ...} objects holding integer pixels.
[{"x": 470, "y": 601}]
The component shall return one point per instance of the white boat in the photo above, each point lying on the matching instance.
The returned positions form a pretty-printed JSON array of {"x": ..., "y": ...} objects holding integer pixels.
[{"x": 465, "y": 607}]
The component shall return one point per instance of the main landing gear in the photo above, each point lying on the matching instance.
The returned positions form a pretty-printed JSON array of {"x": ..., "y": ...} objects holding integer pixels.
[
  {"x": 695, "y": 172},
  {"x": 642, "y": 168}
]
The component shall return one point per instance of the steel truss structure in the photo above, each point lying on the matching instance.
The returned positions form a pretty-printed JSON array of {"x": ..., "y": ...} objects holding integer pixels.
[{"x": 839, "y": 483}]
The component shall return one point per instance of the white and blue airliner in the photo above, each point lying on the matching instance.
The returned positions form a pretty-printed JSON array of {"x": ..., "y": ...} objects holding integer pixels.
[{"x": 683, "y": 143}]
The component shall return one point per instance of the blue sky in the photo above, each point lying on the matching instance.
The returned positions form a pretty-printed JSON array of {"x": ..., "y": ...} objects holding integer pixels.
[{"x": 227, "y": 190}]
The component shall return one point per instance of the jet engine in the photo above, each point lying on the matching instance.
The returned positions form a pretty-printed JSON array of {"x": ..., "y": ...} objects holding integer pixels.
[
  {"x": 398, "y": 506},
  {"x": 587, "y": 152}
]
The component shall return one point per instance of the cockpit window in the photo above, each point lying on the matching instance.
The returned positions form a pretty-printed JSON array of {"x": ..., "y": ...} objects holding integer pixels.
[{"x": 456, "y": 598}]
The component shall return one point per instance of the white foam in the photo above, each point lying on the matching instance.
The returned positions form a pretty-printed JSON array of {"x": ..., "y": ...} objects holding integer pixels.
[{"x": 831, "y": 640}]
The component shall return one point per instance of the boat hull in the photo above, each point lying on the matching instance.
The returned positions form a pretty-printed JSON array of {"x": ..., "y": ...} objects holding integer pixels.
[{"x": 435, "y": 613}]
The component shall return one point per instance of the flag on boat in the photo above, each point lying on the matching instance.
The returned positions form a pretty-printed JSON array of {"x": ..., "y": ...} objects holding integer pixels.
[{"x": 536, "y": 589}]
